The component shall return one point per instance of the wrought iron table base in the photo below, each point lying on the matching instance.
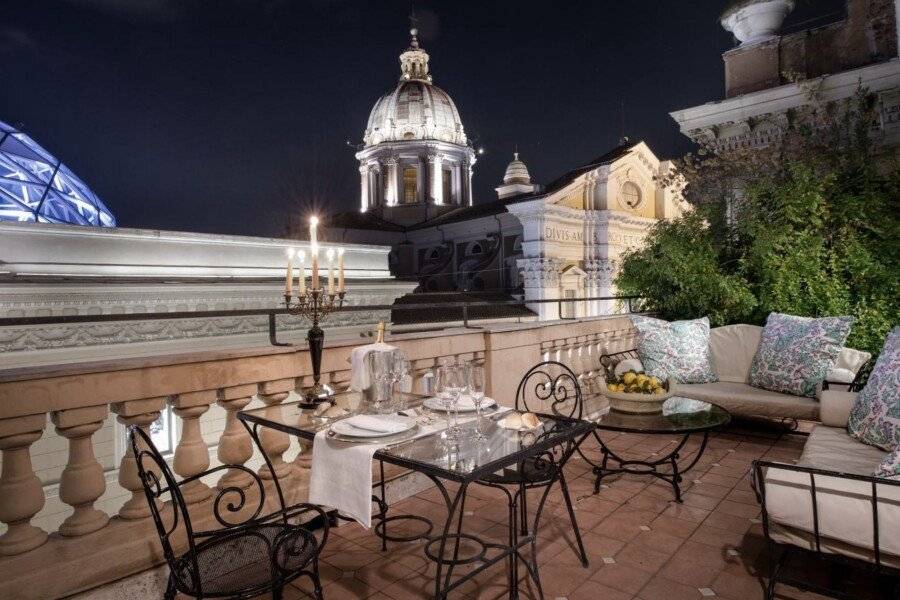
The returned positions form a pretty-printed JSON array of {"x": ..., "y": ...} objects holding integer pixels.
[
  {"x": 665, "y": 468},
  {"x": 444, "y": 548}
]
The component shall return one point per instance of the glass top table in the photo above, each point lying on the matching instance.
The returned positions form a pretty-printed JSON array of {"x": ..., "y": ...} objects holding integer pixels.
[
  {"x": 679, "y": 417},
  {"x": 466, "y": 462}
]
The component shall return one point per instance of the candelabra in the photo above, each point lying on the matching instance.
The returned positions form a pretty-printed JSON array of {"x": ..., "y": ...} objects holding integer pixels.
[{"x": 314, "y": 304}]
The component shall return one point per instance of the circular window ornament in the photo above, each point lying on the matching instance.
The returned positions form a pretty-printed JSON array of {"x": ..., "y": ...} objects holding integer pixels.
[{"x": 631, "y": 194}]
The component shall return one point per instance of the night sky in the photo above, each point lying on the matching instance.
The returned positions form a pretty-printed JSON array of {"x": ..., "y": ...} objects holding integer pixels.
[{"x": 225, "y": 115}]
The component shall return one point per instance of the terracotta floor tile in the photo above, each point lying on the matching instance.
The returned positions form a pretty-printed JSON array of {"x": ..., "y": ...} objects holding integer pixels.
[
  {"x": 738, "y": 509},
  {"x": 729, "y": 522},
  {"x": 659, "y": 588},
  {"x": 738, "y": 587},
  {"x": 683, "y": 569},
  {"x": 717, "y": 538},
  {"x": 642, "y": 558},
  {"x": 622, "y": 577},
  {"x": 700, "y": 501},
  {"x": 591, "y": 590},
  {"x": 657, "y": 539},
  {"x": 674, "y": 526}
]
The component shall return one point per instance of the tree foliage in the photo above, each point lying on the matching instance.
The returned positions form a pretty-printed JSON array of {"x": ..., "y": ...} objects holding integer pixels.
[{"x": 808, "y": 226}]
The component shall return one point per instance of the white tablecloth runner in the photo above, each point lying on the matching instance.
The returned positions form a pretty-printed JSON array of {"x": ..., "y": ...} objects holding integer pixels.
[{"x": 341, "y": 472}]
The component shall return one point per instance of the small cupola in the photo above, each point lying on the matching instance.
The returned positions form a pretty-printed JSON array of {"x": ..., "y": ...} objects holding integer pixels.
[
  {"x": 516, "y": 180},
  {"x": 755, "y": 21}
]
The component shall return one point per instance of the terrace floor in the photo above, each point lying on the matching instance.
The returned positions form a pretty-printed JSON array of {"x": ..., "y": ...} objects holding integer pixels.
[{"x": 641, "y": 544}]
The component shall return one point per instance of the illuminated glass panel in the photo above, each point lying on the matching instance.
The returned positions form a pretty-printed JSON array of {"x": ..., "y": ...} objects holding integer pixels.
[{"x": 35, "y": 186}]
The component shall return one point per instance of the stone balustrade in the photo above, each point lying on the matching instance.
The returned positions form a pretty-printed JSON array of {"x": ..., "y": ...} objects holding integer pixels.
[{"x": 101, "y": 531}]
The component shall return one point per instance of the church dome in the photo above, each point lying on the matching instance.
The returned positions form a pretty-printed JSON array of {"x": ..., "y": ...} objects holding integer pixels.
[
  {"x": 516, "y": 171},
  {"x": 416, "y": 109},
  {"x": 35, "y": 186}
]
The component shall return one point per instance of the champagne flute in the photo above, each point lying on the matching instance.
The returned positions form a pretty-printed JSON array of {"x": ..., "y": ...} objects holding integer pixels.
[
  {"x": 449, "y": 386},
  {"x": 475, "y": 383}
]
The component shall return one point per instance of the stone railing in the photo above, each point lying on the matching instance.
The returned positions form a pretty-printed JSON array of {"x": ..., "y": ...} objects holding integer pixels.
[{"x": 72, "y": 481}]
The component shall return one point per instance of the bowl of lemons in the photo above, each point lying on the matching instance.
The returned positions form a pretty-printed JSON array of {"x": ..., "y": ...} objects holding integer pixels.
[{"x": 636, "y": 392}]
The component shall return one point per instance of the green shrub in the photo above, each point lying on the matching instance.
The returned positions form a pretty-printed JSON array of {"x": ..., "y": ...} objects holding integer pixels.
[{"x": 810, "y": 226}]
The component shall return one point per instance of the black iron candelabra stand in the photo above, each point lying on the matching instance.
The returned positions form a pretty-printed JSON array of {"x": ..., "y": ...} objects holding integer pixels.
[{"x": 314, "y": 305}]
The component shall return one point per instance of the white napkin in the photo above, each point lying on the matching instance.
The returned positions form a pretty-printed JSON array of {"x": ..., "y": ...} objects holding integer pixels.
[
  {"x": 359, "y": 375},
  {"x": 341, "y": 473},
  {"x": 376, "y": 423}
]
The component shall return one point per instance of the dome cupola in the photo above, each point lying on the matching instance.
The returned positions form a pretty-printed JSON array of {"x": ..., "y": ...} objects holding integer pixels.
[
  {"x": 415, "y": 109},
  {"x": 516, "y": 180},
  {"x": 416, "y": 162},
  {"x": 516, "y": 171},
  {"x": 754, "y": 21}
]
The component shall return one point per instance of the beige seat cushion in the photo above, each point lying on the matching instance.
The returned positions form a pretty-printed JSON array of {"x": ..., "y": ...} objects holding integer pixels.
[
  {"x": 844, "y": 506},
  {"x": 731, "y": 350},
  {"x": 744, "y": 400}
]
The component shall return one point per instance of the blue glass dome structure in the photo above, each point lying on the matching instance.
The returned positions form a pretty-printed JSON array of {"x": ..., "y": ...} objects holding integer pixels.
[{"x": 35, "y": 186}]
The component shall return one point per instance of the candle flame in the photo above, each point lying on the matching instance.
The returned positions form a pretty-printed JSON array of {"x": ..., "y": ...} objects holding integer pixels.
[{"x": 314, "y": 220}]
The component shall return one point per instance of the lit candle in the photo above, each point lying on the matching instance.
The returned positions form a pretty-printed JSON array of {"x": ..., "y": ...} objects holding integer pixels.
[
  {"x": 313, "y": 223},
  {"x": 301, "y": 273},
  {"x": 341, "y": 271},
  {"x": 288, "y": 280},
  {"x": 330, "y": 255},
  {"x": 314, "y": 275}
]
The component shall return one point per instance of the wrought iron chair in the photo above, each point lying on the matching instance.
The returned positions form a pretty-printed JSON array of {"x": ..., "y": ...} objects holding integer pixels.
[
  {"x": 548, "y": 387},
  {"x": 249, "y": 555}
]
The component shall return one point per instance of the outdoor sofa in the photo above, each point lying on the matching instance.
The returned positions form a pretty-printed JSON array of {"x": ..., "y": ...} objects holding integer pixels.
[
  {"x": 732, "y": 348},
  {"x": 829, "y": 502}
]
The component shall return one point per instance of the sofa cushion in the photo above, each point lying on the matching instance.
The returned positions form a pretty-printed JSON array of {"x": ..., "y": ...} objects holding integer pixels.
[
  {"x": 745, "y": 400},
  {"x": 844, "y": 506},
  {"x": 795, "y": 353},
  {"x": 677, "y": 349},
  {"x": 875, "y": 417},
  {"x": 849, "y": 360},
  {"x": 890, "y": 465},
  {"x": 731, "y": 350}
]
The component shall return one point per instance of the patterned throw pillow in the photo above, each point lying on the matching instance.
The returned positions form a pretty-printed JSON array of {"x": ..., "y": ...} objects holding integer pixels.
[
  {"x": 795, "y": 353},
  {"x": 679, "y": 349},
  {"x": 875, "y": 416},
  {"x": 890, "y": 466}
]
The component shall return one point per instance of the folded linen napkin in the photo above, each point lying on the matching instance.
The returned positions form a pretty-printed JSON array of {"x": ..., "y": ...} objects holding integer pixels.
[
  {"x": 341, "y": 473},
  {"x": 376, "y": 423}
]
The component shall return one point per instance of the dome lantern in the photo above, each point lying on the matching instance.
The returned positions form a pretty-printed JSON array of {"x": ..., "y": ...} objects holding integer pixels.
[
  {"x": 516, "y": 180},
  {"x": 414, "y": 61}
]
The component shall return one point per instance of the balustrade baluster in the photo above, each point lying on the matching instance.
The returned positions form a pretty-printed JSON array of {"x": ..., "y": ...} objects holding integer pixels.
[
  {"x": 141, "y": 413},
  {"x": 21, "y": 494},
  {"x": 82, "y": 481},
  {"x": 191, "y": 453},
  {"x": 235, "y": 446},
  {"x": 274, "y": 443}
]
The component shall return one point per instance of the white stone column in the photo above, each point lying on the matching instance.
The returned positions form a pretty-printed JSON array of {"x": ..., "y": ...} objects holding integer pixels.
[
  {"x": 191, "y": 453},
  {"x": 235, "y": 445},
  {"x": 21, "y": 493},
  {"x": 364, "y": 188},
  {"x": 82, "y": 481},
  {"x": 437, "y": 174},
  {"x": 393, "y": 187},
  {"x": 141, "y": 413},
  {"x": 470, "y": 194},
  {"x": 541, "y": 282}
]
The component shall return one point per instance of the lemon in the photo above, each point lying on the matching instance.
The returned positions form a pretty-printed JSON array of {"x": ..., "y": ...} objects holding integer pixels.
[
  {"x": 629, "y": 377},
  {"x": 659, "y": 391},
  {"x": 654, "y": 381}
]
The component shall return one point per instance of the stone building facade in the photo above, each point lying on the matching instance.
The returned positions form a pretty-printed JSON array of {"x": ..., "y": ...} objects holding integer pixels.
[
  {"x": 558, "y": 241},
  {"x": 770, "y": 75}
]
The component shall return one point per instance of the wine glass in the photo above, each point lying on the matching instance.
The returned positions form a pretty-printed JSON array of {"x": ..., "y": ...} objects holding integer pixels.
[
  {"x": 449, "y": 385},
  {"x": 401, "y": 369},
  {"x": 475, "y": 384}
]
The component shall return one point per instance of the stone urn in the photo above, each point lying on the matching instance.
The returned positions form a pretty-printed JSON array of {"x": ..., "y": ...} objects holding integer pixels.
[{"x": 754, "y": 21}]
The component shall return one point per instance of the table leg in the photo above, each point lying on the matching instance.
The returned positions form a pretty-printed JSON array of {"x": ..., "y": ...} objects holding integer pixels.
[{"x": 673, "y": 477}]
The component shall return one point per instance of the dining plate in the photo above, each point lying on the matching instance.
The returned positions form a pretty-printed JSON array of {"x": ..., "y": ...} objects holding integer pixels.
[
  {"x": 464, "y": 405},
  {"x": 373, "y": 426}
]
